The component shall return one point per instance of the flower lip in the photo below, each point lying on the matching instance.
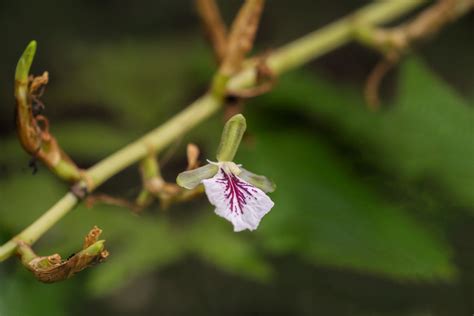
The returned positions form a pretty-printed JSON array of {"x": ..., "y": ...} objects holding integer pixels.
[
  {"x": 237, "y": 192},
  {"x": 236, "y": 200}
]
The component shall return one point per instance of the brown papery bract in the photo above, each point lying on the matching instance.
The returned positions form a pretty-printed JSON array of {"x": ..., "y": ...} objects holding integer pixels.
[
  {"x": 242, "y": 36},
  {"x": 50, "y": 269},
  {"x": 215, "y": 27}
]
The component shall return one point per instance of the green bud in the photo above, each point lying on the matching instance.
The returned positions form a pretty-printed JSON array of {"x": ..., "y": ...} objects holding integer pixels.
[
  {"x": 234, "y": 129},
  {"x": 24, "y": 64}
]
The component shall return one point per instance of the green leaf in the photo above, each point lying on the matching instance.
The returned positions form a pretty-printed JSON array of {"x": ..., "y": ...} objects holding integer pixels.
[
  {"x": 135, "y": 82},
  {"x": 42, "y": 190},
  {"x": 326, "y": 214},
  {"x": 145, "y": 246},
  {"x": 91, "y": 140},
  {"x": 20, "y": 287},
  {"x": 426, "y": 135},
  {"x": 137, "y": 244},
  {"x": 211, "y": 239}
]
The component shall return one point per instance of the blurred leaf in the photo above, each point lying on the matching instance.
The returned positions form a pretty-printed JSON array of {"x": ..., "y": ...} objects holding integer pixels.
[
  {"x": 212, "y": 239},
  {"x": 329, "y": 216},
  {"x": 141, "y": 245},
  {"x": 25, "y": 197},
  {"x": 82, "y": 140},
  {"x": 90, "y": 139},
  {"x": 22, "y": 295},
  {"x": 426, "y": 135},
  {"x": 137, "y": 244},
  {"x": 137, "y": 81}
]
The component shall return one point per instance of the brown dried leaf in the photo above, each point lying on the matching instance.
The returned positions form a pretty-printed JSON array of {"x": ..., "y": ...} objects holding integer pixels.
[
  {"x": 192, "y": 153},
  {"x": 38, "y": 82},
  {"x": 242, "y": 36},
  {"x": 33, "y": 129},
  {"x": 214, "y": 25},
  {"x": 50, "y": 269}
]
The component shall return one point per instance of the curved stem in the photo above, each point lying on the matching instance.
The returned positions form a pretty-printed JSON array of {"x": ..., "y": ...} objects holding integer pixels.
[
  {"x": 33, "y": 232},
  {"x": 287, "y": 57},
  {"x": 155, "y": 140}
]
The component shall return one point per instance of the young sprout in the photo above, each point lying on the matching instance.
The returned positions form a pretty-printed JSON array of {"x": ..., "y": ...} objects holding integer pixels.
[{"x": 238, "y": 194}]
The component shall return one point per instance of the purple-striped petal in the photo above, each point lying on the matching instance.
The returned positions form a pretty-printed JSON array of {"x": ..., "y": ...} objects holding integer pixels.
[{"x": 237, "y": 200}]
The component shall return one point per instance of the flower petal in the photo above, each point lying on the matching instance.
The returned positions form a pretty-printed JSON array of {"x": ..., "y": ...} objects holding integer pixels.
[
  {"x": 237, "y": 200},
  {"x": 192, "y": 178},
  {"x": 261, "y": 182}
]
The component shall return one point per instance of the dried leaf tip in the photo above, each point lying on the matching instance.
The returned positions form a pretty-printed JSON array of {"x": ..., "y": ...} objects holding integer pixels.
[
  {"x": 50, "y": 269},
  {"x": 32, "y": 127},
  {"x": 242, "y": 36},
  {"x": 214, "y": 25},
  {"x": 192, "y": 153}
]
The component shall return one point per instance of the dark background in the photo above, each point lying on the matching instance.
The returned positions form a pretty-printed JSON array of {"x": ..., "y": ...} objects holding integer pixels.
[{"x": 373, "y": 211}]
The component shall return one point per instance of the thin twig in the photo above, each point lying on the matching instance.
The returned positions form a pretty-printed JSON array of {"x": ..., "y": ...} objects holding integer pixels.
[
  {"x": 372, "y": 85},
  {"x": 242, "y": 36},
  {"x": 396, "y": 41},
  {"x": 214, "y": 25},
  {"x": 103, "y": 198}
]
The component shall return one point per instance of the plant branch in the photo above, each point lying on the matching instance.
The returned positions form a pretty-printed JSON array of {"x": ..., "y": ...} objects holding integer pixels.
[
  {"x": 215, "y": 27},
  {"x": 286, "y": 58},
  {"x": 395, "y": 42},
  {"x": 33, "y": 232}
]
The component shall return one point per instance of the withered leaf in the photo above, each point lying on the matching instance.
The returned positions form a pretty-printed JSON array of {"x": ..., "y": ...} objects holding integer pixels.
[
  {"x": 242, "y": 35},
  {"x": 50, "y": 269}
]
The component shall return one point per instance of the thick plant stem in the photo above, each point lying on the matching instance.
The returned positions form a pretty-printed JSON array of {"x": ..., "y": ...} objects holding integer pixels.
[{"x": 287, "y": 57}]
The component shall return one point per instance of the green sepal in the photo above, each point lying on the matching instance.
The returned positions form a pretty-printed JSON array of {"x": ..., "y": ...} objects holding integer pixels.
[
  {"x": 261, "y": 182},
  {"x": 232, "y": 134},
  {"x": 192, "y": 178},
  {"x": 24, "y": 64}
]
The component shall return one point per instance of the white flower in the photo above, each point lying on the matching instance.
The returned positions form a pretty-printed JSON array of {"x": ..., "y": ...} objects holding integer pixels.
[
  {"x": 238, "y": 195},
  {"x": 235, "y": 199}
]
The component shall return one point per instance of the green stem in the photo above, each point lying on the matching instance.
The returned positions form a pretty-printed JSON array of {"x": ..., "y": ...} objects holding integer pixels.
[
  {"x": 155, "y": 140},
  {"x": 287, "y": 57},
  {"x": 33, "y": 232},
  {"x": 326, "y": 39}
]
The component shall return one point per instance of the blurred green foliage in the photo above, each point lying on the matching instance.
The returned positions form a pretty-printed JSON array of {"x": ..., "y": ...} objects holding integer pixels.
[
  {"x": 426, "y": 134},
  {"x": 326, "y": 211},
  {"x": 381, "y": 196}
]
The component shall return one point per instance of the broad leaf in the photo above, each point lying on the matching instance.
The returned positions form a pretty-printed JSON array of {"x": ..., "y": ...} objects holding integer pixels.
[
  {"x": 427, "y": 135},
  {"x": 328, "y": 215}
]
